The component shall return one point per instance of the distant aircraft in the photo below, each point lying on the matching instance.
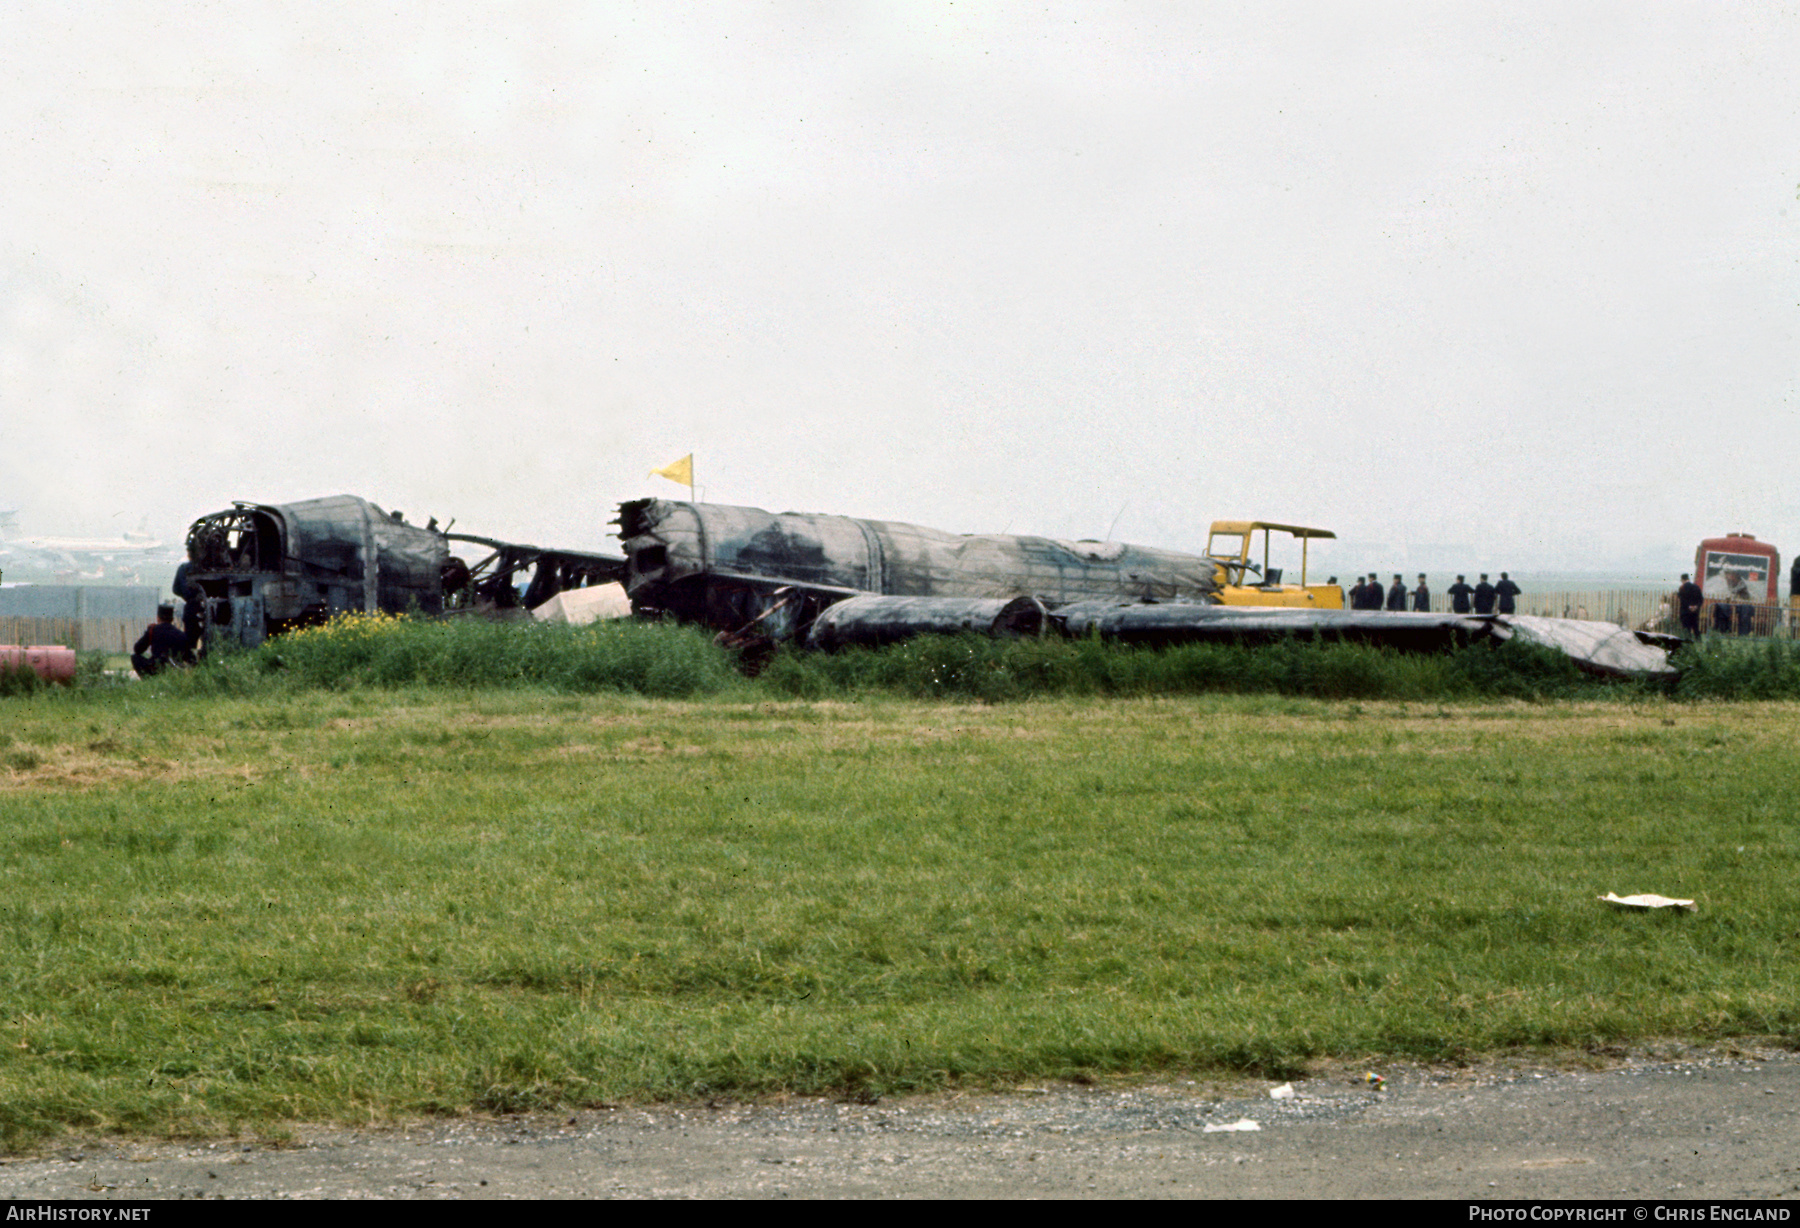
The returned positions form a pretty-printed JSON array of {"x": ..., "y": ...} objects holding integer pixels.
[{"x": 86, "y": 557}]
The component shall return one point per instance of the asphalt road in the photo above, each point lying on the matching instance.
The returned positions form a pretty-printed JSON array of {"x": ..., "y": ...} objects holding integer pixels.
[{"x": 1708, "y": 1126}]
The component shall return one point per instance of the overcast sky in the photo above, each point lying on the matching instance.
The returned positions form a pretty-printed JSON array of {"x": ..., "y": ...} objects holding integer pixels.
[{"x": 1518, "y": 280}]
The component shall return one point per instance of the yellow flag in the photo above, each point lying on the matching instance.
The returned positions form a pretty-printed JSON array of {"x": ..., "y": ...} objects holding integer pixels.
[{"x": 681, "y": 471}]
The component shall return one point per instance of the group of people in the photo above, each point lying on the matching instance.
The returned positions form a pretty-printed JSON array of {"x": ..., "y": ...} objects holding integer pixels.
[
  {"x": 1737, "y": 614},
  {"x": 1482, "y": 598},
  {"x": 1368, "y": 594}
]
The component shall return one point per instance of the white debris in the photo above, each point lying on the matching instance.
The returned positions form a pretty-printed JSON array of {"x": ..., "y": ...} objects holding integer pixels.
[
  {"x": 1601, "y": 647},
  {"x": 1284, "y": 1092},
  {"x": 581, "y": 606},
  {"x": 1242, "y": 1123},
  {"x": 1646, "y": 901}
]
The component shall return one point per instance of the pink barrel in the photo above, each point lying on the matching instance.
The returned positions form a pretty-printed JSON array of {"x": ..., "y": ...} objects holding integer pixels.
[{"x": 53, "y": 664}]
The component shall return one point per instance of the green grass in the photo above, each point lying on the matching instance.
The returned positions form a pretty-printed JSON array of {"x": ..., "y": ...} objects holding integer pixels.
[
  {"x": 995, "y": 671},
  {"x": 668, "y": 661},
  {"x": 228, "y": 910}
]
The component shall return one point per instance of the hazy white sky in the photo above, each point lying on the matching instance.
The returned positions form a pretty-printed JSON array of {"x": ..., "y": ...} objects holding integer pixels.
[{"x": 1517, "y": 278}]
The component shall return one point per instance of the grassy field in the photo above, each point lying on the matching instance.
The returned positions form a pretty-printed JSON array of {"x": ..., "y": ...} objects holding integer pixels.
[{"x": 228, "y": 910}]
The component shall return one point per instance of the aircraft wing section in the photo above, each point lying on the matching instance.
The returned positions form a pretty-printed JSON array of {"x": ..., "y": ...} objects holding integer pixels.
[{"x": 1596, "y": 647}]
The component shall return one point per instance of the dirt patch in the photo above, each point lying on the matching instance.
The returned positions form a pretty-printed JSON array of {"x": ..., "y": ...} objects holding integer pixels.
[
  {"x": 84, "y": 767},
  {"x": 656, "y": 748}
]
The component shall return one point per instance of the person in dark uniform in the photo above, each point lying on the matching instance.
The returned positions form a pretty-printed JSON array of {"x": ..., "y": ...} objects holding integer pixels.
[
  {"x": 1742, "y": 602},
  {"x": 1397, "y": 595},
  {"x": 163, "y": 644},
  {"x": 193, "y": 618},
  {"x": 1460, "y": 592},
  {"x": 1506, "y": 590},
  {"x": 1484, "y": 596},
  {"x": 1356, "y": 593},
  {"x": 1421, "y": 596},
  {"x": 1689, "y": 599}
]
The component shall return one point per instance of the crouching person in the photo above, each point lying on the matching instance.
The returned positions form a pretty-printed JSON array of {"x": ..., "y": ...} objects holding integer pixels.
[{"x": 163, "y": 644}]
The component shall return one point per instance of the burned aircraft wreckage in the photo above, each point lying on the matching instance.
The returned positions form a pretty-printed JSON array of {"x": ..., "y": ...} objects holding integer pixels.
[
  {"x": 263, "y": 568},
  {"x": 749, "y": 573},
  {"x": 760, "y": 579},
  {"x": 832, "y": 581}
]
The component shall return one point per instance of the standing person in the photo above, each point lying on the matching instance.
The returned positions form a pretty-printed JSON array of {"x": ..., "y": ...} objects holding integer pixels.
[
  {"x": 1689, "y": 598},
  {"x": 163, "y": 644},
  {"x": 1741, "y": 598},
  {"x": 1421, "y": 596},
  {"x": 193, "y": 617},
  {"x": 1506, "y": 590},
  {"x": 1372, "y": 595},
  {"x": 1460, "y": 592},
  {"x": 1397, "y": 595},
  {"x": 1356, "y": 594},
  {"x": 1484, "y": 596}
]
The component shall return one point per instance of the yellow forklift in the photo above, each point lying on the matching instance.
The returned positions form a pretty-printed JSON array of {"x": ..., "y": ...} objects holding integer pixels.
[{"x": 1232, "y": 547}]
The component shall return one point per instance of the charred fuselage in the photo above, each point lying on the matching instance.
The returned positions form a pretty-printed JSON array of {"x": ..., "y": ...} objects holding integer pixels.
[
  {"x": 723, "y": 566},
  {"x": 262, "y": 568}
]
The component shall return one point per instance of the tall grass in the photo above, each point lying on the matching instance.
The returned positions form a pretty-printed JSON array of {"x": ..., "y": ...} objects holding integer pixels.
[
  {"x": 351, "y": 651},
  {"x": 662, "y": 660},
  {"x": 1723, "y": 668},
  {"x": 20, "y": 680},
  {"x": 974, "y": 667}
]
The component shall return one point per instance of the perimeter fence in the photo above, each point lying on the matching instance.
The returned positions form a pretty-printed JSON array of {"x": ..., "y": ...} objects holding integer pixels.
[
  {"x": 1648, "y": 609},
  {"x": 81, "y": 617}
]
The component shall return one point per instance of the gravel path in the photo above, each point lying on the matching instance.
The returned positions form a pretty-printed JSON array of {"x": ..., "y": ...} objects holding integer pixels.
[{"x": 1706, "y": 1126}]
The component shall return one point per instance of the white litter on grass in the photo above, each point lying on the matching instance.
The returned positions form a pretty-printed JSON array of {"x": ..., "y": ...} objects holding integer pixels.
[
  {"x": 1242, "y": 1123},
  {"x": 1284, "y": 1092},
  {"x": 1646, "y": 901}
]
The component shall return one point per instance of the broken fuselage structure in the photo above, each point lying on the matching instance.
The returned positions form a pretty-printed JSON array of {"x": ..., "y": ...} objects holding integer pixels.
[
  {"x": 262, "y": 568},
  {"x": 755, "y": 575},
  {"x": 760, "y": 578}
]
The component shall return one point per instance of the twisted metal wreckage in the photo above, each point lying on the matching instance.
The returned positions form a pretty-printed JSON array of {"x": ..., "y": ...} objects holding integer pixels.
[
  {"x": 830, "y": 581},
  {"x": 760, "y": 579},
  {"x": 263, "y": 568}
]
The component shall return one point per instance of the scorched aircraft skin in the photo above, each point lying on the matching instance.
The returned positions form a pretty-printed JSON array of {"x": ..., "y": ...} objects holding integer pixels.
[
  {"x": 263, "y": 568},
  {"x": 759, "y": 579},
  {"x": 722, "y": 566}
]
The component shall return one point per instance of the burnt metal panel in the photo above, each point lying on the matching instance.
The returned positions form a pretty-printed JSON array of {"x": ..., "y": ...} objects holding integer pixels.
[
  {"x": 1158, "y": 624},
  {"x": 870, "y": 621},
  {"x": 1598, "y": 648}
]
